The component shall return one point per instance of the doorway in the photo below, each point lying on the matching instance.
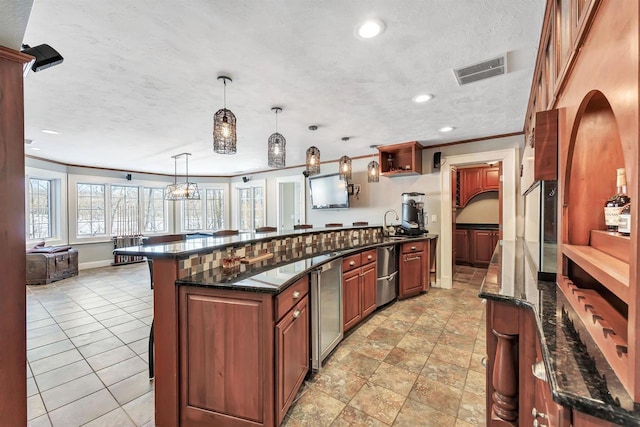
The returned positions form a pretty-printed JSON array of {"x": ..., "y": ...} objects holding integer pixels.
[
  {"x": 508, "y": 157},
  {"x": 291, "y": 198}
]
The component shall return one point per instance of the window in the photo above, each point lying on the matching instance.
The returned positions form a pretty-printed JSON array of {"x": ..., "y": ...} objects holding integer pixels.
[
  {"x": 124, "y": 210},
  {"x": 214, "y": 208},
  {"x": 91, "y": 209},
  {"x": 251, "y": 208},
  {"x": 192, "y": 215},
  {"x": 153, "y": 211},
  {"x": 39, "y": 219}
]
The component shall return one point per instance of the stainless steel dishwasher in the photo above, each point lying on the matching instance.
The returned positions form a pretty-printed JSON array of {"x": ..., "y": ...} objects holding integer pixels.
[
  {"x": 387, "y": 286},
  {"x": 326, "y": 311}
]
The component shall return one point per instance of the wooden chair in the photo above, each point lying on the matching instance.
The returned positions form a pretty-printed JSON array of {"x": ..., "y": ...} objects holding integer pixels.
[
  {"x": 220, "y": 233},
  {"x": 302, "y": 226},
  {"x": 360, "y": 223},
  {"x": 266, "y": 229},
  {"x": 334, "y": 224}
]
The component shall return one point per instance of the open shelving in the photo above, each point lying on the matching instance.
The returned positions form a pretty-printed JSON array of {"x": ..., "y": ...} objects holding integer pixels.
[{"x": 400, "y": 159}]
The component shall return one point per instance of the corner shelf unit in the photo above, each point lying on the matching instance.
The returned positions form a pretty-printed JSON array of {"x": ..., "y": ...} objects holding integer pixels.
[{"x": 400, "y": 159}]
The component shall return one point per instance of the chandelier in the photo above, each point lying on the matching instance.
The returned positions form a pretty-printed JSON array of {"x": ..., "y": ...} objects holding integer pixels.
[
  {"x": 313, "y": 157},
  {"x": 224, "y": 126},
  {"x": 277, "y": 144},
  {"x": 185, "y": 190},
  {"x": 344, "y": 165},
  {"x": 373, "y": 172}
]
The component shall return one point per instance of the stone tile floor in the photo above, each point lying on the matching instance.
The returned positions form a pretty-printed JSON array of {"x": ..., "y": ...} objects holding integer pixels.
[{"x": 414, "y": 363}]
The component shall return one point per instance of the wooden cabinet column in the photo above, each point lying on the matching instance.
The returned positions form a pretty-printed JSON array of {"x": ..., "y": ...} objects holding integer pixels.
[{"x": 13, "y": 305}]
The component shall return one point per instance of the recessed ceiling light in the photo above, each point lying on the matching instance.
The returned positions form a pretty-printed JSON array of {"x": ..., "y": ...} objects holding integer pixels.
[
  {"x": 419, "y": 99},
  {"x": 34, "y": 148},
  {"x": 50, "y": 131},
  {"x": 446, "y": 129},
  {"x": 369, "y": 29}
]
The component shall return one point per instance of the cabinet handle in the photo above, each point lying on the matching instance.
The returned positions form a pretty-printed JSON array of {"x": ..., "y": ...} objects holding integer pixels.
[
  {"x": 537, "y": 414},
  {"x": 538, "y": 371},
  {"x": 296, "y": 294},
  {"x": 296, "y": 314},
  {"x": 370, "y": 257},
  {"x": 352, "y": 263},
  {"x": 536, "y": 423},
  {"x": 412, "y": 259}
]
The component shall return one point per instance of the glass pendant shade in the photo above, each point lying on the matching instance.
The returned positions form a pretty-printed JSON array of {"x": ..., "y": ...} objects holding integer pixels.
[
  {"x": 224, "y": 126},
  {"x": 184, "y": 190},
  {"x": 313, "y": 161},
  {"x": 373, "y": 172},
  {"x": 345, "y": 167},
  {"x": 276, "y": 146}
]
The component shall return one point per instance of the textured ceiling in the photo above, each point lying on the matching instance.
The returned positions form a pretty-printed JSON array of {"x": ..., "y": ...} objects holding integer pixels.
[{"x": 138, "y": 82}]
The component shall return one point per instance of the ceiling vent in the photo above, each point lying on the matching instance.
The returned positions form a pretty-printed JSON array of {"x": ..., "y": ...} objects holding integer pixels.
[{"x": 483, "y": 70}]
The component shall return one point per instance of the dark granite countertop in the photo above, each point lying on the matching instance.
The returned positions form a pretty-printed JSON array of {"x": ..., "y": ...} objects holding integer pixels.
[
  {"x": 276, "y": 277},
  {"x": 468, "y": 226},
  {"x": 578, "y": 373},
  {"x": 199, "y": 244}
]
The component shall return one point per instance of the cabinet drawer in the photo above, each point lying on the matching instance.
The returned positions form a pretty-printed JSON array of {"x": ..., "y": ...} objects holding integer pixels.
[
  {"x": 350, "y": 262},
  {"x": 368, "y": 256},
  {"x": 290, "y": 296},
  {"x": 412, "y": 247}
]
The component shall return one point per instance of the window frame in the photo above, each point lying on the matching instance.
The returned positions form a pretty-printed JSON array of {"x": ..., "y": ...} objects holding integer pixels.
[
  {"x": 203, "y": 187},
  {"x": 57, "y": 200},
  {"x": 236, "y": 187}
]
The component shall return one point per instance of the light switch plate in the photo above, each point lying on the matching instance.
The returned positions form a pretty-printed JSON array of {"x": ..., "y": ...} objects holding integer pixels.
[{"x": 434, "y": 218}]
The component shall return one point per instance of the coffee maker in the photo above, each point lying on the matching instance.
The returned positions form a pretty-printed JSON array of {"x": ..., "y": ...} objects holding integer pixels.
[{"x": 413, "y": 221}]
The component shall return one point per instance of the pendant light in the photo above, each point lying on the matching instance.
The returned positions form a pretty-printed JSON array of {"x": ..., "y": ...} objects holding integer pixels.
[
  {"x": 344, "y": 165},
  {"x": 313, "y": 157},
  {"x": 277, "y": 143},
  {"x": 185, "y": 190},
  {"x": 373, "y": 172},
  {"x": 224, "y": 126}
]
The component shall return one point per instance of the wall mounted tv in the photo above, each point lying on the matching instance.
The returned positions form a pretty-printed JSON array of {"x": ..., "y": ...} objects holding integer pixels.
[{"x": 329, "y": 192}]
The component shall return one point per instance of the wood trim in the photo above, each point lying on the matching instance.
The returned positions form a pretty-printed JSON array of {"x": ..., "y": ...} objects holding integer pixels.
[
  {"x": 466, "y": 141},
  {"x": 14, "y": 55}
]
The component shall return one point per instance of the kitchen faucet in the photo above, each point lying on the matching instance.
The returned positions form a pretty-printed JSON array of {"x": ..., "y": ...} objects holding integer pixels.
[{"x": 384, "y": 221}]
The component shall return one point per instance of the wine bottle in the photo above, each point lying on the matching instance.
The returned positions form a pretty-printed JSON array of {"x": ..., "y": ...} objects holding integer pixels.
[
  {"x": 624, "y": 220},
  {"x": 614, "y": 205}
]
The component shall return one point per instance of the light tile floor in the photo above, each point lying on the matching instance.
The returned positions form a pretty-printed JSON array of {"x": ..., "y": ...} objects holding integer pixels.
[{"x": 414, "y": 363}]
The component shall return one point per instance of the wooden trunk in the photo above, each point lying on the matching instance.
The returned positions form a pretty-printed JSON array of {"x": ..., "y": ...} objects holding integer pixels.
[{"x": 44, "y": 268}]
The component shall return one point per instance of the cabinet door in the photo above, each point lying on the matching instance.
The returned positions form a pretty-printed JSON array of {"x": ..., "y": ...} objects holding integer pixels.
[
  {"x": 481, "y": 247},
  {"x": 462, "y": 246},
  {"x": 490, "y": 178},
  {"x": 471, "y": 184},
  {"x": 351, "y": 309},
  {"x": 368, "y": 283},
  {"x": 410, "y": 274},
  {"x": 292, "y": 355}
]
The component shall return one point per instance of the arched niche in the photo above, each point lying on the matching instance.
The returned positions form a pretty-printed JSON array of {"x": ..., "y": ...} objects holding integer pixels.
[{"x": 594, "y": 155}]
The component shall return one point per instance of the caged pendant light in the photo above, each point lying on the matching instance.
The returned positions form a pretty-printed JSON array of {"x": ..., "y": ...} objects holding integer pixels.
[
  {"x": 344, "y": 165},
  {"x": 277, "y": 144},
  {"x": 224, "y": 126},
  {"x": 185, "y": 190},
  {"x": 313, "y": 157},
  {"x": 373, "y": 172}
]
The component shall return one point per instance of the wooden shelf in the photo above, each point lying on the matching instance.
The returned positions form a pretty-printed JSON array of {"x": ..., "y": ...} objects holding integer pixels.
[
  {"x": 612, "y": 243},
  {"x": 400, "y": 159},
  {"x": 608, "y": 270}
]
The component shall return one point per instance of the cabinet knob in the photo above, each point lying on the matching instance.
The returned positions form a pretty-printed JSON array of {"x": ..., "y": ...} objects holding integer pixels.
[
  {"x": 536, "y": 423},
  {"x": 538, "y": 371},
  {"x": 370, "y": 257},
  {"x": 413, "y": 248},
  {"x": 537, "y": 414},
  {"x": 296, "y": 314},
  {"x": 352, "y": 263},
  {"x": 296, "y": 294}
]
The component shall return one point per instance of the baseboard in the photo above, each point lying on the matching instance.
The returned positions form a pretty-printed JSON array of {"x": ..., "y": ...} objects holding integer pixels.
[
  {"x": 444, "y": 282},
  {"x": 94, "y": 264}
]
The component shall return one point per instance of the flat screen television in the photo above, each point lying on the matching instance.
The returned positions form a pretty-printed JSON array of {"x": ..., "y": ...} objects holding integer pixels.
[{"x": 328, "y": 192}]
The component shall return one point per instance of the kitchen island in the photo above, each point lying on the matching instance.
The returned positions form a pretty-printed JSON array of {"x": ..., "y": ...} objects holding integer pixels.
[
  {"x": 543, "y": 366},
  {"x": 232, "y": 339}
]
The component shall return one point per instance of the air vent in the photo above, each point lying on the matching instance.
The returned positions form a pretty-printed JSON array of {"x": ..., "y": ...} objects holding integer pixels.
[{"x": 483, "y": 70}]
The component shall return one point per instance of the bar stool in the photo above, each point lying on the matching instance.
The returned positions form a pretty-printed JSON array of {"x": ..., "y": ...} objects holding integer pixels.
[
  {"x": 302, "y": 226},
  {"x": 360, "y": 223},
  {"x": 334, "y": 224},
  {"x": 265, "y": 229},
  {"x": 221, "y": 233}
]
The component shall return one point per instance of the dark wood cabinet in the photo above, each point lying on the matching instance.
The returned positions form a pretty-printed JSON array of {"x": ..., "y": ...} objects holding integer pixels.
[
  {"x": 483, "y": 242},
  {"x": 359, "y": 279},
  {"x": 473, "y": 181},
  {"x": 412, "y": 269},
  {"x": 243, "y": 355},
  {"x": 462, "y": 246},
  {"x": 292, "y": 355},
  {"x": 400, "y": 159}
]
